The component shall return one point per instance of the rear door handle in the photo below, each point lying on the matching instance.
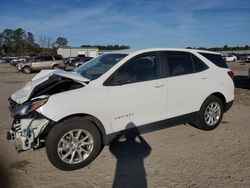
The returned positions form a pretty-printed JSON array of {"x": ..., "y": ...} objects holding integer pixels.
[
  {"x": 159, "y": 85},
  {"x": 203, "y": 77}
]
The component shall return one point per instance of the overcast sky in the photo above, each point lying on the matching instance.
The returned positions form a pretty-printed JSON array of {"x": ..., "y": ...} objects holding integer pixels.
[{"x": 138, "y": 23}]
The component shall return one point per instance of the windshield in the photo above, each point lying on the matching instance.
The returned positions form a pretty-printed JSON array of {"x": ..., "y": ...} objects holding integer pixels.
[{"x": 98, "y": 66}]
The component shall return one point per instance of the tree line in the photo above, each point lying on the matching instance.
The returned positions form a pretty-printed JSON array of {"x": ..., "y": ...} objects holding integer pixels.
[
  {"x": 107, "y": 47},
  {"x": 224, "y": 48},
  {"x": 18, "y": 42}
]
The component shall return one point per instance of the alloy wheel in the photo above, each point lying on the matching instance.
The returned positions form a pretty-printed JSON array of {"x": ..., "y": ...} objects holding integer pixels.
[{"x": 75, "y": 146}]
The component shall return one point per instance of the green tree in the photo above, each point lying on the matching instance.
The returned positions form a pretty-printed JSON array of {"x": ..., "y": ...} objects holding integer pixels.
[
  {"x": 61, "y": 42},
  {"x": 225, "y": 47},
  {"x": 30, "y": 38},
  {"x": 7, "y": 40}
]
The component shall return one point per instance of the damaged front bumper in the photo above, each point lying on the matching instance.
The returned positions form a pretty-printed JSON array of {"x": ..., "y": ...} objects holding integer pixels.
[{"x": 26, "y": 133}]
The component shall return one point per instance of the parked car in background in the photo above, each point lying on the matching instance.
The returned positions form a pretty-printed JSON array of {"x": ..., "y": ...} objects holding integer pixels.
[
  {"x": 42, "y": 62},
  {"x": 249, "y": 74},
  {"x": 247, "y": 59},
  {"x": 230, "y": 58},
  {"x": 6, "y": 59},
  {"x": 77, "y": 62},
  {"x": 67, "y": 60},
  {"x": 15, "y": 61},
  {"x": 72, "y": 60},
  {"x": 116, "y": 92}
]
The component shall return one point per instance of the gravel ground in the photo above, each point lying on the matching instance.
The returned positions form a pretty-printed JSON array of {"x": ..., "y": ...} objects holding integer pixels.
[{"x": 180, "y": 156}]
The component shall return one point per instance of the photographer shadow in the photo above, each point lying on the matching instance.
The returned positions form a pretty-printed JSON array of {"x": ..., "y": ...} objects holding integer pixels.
[{"x": 130, "y": 149}]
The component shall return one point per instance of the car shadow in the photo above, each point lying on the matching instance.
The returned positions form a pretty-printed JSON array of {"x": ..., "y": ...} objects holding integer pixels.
[
  {"x": 242, "y": 82},
  {"x": 130, "y": 149},
  {"x": 5, "y": 181}
]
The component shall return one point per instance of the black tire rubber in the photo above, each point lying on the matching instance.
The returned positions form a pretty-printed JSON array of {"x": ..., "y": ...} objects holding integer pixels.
[
  {"x": 200, "y": 119},
  {"x": 28, "y": 70},
  {"x": 59, "y": 130},
  {"x": 55, "y": 67}
]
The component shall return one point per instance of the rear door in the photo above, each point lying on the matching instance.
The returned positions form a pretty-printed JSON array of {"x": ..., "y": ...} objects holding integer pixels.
[
  {"x": 48, "y": 62},
  {"x": 38, "y": 63},
  {"x": 59, "y": 61},
  {"x": 187, "y": 82}
]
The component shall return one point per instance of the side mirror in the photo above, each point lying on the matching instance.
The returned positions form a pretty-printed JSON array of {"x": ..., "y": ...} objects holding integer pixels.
[{"x": 121, "y": 78}]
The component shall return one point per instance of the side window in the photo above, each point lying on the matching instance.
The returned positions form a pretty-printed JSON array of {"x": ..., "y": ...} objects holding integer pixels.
[
  {"x": 198, "y": 64},
  {"x": 57, "y": 57},
  {"x": 141, "y": 68},
  {"x": 179, "y": 63},
  {"x": 48, "y": 58},
  {"x": 38, "y": 59}
]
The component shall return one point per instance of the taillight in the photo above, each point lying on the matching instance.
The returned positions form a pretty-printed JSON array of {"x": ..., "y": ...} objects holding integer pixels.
[{"x": 231, "y": 74}]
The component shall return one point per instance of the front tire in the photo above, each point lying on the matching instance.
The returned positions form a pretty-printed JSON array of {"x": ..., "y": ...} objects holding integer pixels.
[
  {"x": 26, "y": 70},
  {"x": 210, "y": 114},
  {"x": 73, "y": 144}
]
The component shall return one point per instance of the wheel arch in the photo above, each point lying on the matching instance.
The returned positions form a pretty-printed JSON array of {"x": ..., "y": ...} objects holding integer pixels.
[
  {"x": 91, "y": 118},
  {"x": 26, "y": 66},
  {"x": 221, "y": 97},
  {"x": 54, "y": 65}
]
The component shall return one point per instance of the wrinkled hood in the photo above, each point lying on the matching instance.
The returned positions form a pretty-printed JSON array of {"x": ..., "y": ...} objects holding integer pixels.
[{"x": 24, "y": 93}]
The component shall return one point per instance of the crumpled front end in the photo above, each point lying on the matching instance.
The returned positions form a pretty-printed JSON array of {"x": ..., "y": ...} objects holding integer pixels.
[
  {"x": 28, "y": 126},
  {"x": 26, "y": 133}
]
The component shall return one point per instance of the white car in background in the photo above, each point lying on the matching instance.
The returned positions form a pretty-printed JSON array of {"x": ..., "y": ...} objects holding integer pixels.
[
  {"x": 230, "y": 58},
  {"x": 76, "y": 113}
]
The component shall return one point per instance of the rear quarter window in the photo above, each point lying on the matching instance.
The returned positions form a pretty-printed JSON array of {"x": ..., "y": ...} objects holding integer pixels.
[{"x": 215, "y": 59}]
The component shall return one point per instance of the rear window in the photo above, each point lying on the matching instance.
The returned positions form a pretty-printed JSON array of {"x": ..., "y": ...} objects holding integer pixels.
[{"x": 215, "y": 59}]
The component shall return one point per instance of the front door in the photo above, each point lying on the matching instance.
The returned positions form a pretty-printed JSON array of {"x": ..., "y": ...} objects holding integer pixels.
[{"x": 137, "y": 95}]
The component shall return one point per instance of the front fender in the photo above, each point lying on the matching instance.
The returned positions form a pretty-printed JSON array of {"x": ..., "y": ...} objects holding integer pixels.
[{"x": 92, "y": 102}]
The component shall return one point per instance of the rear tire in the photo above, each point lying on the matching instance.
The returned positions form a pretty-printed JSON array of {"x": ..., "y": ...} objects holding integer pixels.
[
  {"x": 210, "y": 114},
  {"x": 68, "y": 153},
  {"x": 55, "y": 67}
]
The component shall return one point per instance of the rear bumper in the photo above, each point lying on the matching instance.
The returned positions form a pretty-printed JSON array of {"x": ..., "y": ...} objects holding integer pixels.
[{"x": 228, "y": 105}]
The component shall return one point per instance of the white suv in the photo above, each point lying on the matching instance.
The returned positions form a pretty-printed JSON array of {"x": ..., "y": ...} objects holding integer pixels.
[{"x": 76, "y": 113}]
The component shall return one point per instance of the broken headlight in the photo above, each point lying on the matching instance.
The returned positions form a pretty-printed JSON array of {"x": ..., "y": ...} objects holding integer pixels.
[{"x": 28, "y": 107}]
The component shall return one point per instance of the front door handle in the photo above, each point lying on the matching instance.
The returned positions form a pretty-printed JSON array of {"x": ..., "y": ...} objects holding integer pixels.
[{"x": 159, "y": 85}]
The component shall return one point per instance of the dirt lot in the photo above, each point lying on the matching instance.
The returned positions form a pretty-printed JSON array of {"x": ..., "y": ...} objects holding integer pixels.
[{"x": 180, "y": 156}]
